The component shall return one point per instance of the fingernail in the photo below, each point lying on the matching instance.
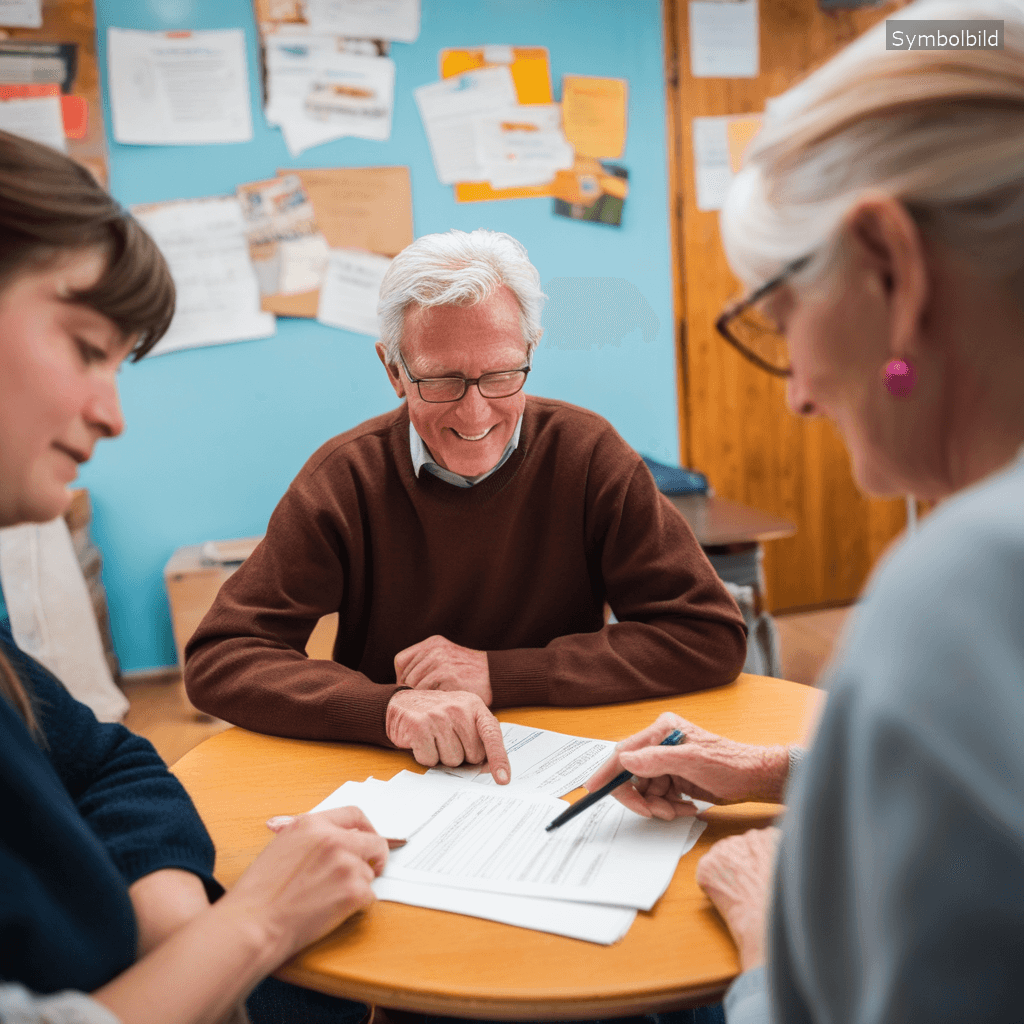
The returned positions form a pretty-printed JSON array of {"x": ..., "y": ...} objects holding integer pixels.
[
  {"x": 277, "y": 823},
  {"x": 501, "y": 775}
]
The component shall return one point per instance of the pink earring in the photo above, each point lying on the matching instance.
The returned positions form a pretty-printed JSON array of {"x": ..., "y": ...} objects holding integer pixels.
[{"x": 900, "y": 377}]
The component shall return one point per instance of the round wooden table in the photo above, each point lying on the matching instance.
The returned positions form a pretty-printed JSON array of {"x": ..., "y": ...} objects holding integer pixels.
[{"x": 677, "y": 955}]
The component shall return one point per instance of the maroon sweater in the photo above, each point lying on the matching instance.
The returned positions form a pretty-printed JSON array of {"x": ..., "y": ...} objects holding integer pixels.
[{"x": 520, "y": 566}]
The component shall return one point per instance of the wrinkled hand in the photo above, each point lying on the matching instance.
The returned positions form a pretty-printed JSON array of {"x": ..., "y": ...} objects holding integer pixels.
[
  {"x": 438, "y": 664},
  {"x": 706, "y": 767},
  {"x": 314, "y": 874},
  {"x": 736, "y": 874},
  {"x": 450, "y": 727}
]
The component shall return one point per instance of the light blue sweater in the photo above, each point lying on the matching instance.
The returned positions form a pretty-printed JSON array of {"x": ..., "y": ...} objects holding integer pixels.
[{"x": 899, "y": 895}]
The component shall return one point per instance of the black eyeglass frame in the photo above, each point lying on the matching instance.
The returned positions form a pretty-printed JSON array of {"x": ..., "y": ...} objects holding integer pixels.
[
  {"x": 722, "y": 323},
  {"x": 466, "y": 382}
]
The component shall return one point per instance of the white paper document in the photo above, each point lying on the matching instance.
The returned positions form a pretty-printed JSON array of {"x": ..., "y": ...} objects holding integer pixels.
[
  {"x": 724, "y": 39},
  {"x": 179, "y": 89},
  {"x": 204, "y": 243},
  {"x": 21, "y": 13},
  {"x": 712, "y": 169},
  {"x": 449, "y": 109},
  {"x": 541, "y": 760},
  {"x": 522, "y": 146},
  {"x": 351, "y": 288},
  {"x": 590, "y": 922},
  {"x": 397, "y": 20},
  {"x": 398, "y": 808},
  {"x": 38, "y": 118},
  {"x": 494, "y": 841},
  {"x": 318, "y": 93}
]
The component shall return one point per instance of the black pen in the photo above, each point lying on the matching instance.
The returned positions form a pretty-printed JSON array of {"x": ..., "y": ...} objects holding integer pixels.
[{"x": 673, "y": 739}]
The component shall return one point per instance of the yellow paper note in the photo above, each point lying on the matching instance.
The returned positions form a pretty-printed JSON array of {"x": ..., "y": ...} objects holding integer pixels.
[
  {"x": 739, "y": 131},
  {"x": 594, "y": 114}
]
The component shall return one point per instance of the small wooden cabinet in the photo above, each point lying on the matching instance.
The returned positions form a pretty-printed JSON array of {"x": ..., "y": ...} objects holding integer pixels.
[{"x": 193, "y": 580}]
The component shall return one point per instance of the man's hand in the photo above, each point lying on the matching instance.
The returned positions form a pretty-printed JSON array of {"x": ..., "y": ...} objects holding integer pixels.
[
  {"x": 736, "y": 873},
  {"x": 164, "y": 901},
  {"x": 438, "y": 664},
  {"x": 448, "y": 727},
  {"x": 705, "y": 767}
]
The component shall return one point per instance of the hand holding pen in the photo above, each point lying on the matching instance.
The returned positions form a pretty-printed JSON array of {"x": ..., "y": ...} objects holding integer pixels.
[{"x": 674, "y": 738}]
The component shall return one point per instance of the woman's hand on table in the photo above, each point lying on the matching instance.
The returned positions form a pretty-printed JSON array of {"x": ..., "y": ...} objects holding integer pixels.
[
  {"x": 736, "y": 874},
  {"x": 704, "y": 767},
  {"x": 316, "y": 873}
]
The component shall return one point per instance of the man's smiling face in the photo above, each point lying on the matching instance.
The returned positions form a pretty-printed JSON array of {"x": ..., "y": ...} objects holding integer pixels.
[{"x": 467, "y": 436}]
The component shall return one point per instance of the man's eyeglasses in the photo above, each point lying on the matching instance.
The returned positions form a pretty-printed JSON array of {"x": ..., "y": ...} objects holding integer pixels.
[
  {"x": 753, "y": 333},
  {"x": 503, "y": 384}
]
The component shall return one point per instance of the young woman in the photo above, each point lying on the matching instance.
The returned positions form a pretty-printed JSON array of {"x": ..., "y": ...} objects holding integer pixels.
[{"x": 105, "y": 868}]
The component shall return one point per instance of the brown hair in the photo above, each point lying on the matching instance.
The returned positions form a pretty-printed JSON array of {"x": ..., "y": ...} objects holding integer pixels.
[
  {"x": 51, "y": 207},
  {"x": 19, "y": 698}
]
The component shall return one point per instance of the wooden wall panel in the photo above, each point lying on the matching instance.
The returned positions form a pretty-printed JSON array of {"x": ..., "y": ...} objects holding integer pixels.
[{"x": 736, "y": 427}]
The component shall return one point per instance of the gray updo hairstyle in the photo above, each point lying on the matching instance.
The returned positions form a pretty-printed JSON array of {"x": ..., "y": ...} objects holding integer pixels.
[
  {"x": 459, "y": 269},
  {"x": 940, "y": 130}
]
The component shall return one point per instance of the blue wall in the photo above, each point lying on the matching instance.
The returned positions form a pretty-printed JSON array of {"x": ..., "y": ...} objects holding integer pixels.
[{"x": 216, "y": 434}]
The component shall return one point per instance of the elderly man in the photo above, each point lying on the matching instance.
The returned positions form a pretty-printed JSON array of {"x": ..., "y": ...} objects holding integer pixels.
[{"x": 469, "y": 540}]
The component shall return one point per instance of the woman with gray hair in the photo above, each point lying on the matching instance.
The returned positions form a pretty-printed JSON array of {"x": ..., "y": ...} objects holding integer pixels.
[{"x": 879, "y": 223}]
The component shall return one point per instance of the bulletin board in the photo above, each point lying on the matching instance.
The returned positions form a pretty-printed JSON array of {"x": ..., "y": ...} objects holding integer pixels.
[
  {"x": 74, "y": 21},
  {"x": 215, "y": 435}
]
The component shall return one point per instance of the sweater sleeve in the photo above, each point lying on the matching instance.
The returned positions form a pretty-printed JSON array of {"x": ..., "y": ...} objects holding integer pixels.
[
  {"x": 247, "y": 662},
  {"x": 678, "y": 630},
  {"x": 119, "y": 784},
  {"x": 746, "y": 1002},
  {"x": 19, "y": 1006}
]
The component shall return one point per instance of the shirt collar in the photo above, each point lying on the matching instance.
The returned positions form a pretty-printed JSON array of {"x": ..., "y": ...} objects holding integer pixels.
[{"x": 421, "y": 458}]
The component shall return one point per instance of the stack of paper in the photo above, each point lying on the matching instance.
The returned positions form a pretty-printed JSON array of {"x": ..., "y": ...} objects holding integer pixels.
[
  {"x": 485, "y": 852},
  {"x": 328, "y": 75},
  {"x": 319, "y": 88},
  {"x": 478, "y": 131}
]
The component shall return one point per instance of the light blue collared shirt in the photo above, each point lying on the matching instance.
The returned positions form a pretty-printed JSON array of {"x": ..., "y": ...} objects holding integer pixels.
[{"x": 421, "y": 458}]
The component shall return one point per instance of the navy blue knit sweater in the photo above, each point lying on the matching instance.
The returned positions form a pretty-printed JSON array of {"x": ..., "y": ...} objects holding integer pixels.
[{"x": 80, "y": 820}]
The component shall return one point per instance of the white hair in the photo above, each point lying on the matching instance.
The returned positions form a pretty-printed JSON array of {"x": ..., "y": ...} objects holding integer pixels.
[
  {"x": 940, "y": 130},
  {"x": 459, "y": 269}
]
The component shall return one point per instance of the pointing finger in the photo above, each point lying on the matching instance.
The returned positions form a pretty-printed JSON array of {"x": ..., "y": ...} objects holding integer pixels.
[{"x": 489, "y": 730}]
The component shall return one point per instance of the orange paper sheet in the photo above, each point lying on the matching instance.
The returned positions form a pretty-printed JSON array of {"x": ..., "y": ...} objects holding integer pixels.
[
  {"x": 532, "y": 76},
  {"x": 739, "y": 131},
  {"x": 594, "y": 115}
]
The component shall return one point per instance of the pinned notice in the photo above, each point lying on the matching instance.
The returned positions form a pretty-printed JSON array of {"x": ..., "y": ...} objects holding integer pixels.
[
  {"x": 348, "y": 298},
  {"x": 289, "y": 254},
  {"x": 179, "y": 88},
  {"x": 397, "y": 20},
  {"x": 21, "y": 13},
  {"x": 594, "y": 115},
  {"x": 37, "y": 118},
  {"x": 718, "y": 147},
  {"x": 724, "y": 39},
  {"x": 204, "y": 243}
]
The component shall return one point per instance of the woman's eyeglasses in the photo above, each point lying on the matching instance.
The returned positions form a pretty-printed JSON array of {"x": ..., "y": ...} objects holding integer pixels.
[{"x": 753, "y": 333}]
